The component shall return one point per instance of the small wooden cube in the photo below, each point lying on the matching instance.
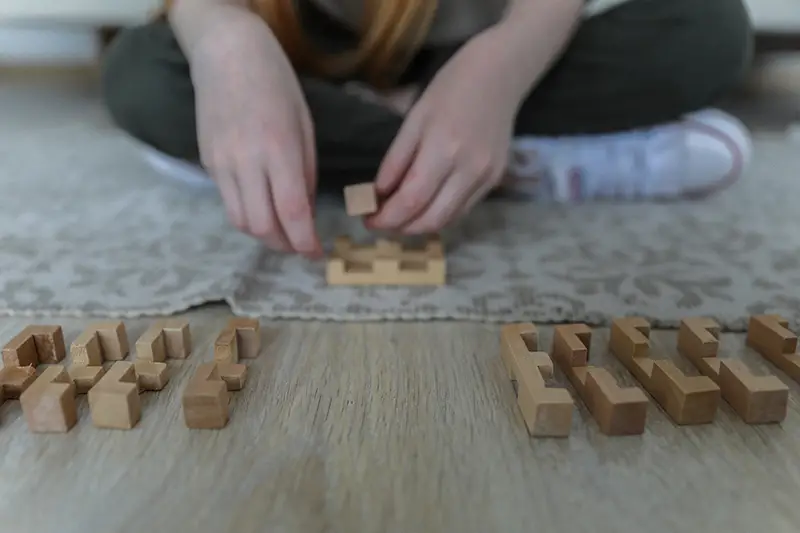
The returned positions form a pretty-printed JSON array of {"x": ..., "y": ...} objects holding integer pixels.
[
  {"x": 360, "y": 199},
  {"x": 21, "y": 351},
  {"x": 151, "y": 376},
  {"x": 14, "y": 380},
  {"x": 86, "y": 377},
  {"x": 206, "y": 399},
  {"x": 151, "y": 346},
  {"x": 234, "y": 375},
  {"x": 49, "y": 341},
  {"x": 85, "y": 350},
  {"x": 49, "y": 403},
  {"x": 114, "y": 402},
  {"x": 177, "y": 338},
  {"x": 113, "y": 339},
  {"x": 226, "y": 348},
  {"x": 248, "y": 336}
]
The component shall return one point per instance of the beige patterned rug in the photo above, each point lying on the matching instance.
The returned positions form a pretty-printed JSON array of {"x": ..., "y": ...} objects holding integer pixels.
[{"x": 88, "y": 229}]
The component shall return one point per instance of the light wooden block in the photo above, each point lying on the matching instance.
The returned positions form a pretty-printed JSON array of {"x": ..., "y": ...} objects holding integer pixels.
[
  {"x": 151, "y": 376},
  {"x": 768, "y": 335},
  {"x": 757, "y": 399},
  {"x": 206, "y": 399},
  {"x": 686, "y": 399},
  {"x": 617, "y": 410},
  {"x": 86, "y": 377},
  {"x": 386, "y": 263},
  {"x": 226, "y": 348},
  {"x": 234, "y": 375},
  {"x": 101, "y": 341},
  {"x": 150, "y": 346},
  {"x": 48, "y": 404},
  {"x": 14, "y": 380},
  {"x": 547, "y": 411},
  {"x": 114, "y": 402},
  {"x": 34, "y": 345},
  {"x": 361, "y": 199},
  {"x": 177, "y": 338},
  {"x": 248, "y": 336}
]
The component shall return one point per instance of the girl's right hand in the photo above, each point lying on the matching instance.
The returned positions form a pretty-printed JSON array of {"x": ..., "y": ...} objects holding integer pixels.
[{"x": 256, "y": 137}]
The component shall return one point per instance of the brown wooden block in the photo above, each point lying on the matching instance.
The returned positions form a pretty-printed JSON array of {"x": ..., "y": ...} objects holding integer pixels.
[
  {"x": 234, "y": 375},
  {"x": 248, "y": 336},
  {"x": 49, "y": 340},
  {"x": 48, "y": 404},
  {"x": 85, "y": 350},
  {"x": 150, "y": 346},
  {"x": 151, "y": 376},
  {"x": 617, "y": 410},
  {"x": 686, "y": 399},
  {"x": 21, "y": 350},
  {"x": 360, "y": 199},
  {"x": 757, "y": 399},
  {"x": 768, "y": 335},
  {"x": 386, "y": 263},
  {"x": 85, "y": 377},
  {"x": 114, "y": 402},
  {"x": 226, "y": 348},
  {"x": 113, "y": 339},
  {"x": 14, "y": 380},
  {"x": 547, "y": 411},
  {"x": 177, "y": 338},
  {"x": 206, "y": 399}
]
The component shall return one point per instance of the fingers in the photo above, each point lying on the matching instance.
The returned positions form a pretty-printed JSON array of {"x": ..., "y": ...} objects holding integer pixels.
[
  {"x": 416, "y": 191},
  {"x": 399, "y": 157},
  {"x": 259, "y": 209},
  {"x": 291, "y": 199},
  {"x": 309, "y": 156},
  {"x": 229, "y": 191},
  {"x": 457, "y": 191}
]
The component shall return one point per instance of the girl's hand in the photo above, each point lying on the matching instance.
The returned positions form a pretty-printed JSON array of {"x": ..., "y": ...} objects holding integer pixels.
[
  {"x": 255, "y": 135},
  {"x": 454, "y": 145}
]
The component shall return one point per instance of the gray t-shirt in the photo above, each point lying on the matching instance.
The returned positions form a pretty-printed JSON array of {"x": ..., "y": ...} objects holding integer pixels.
[{"x": 455, "y": 21}]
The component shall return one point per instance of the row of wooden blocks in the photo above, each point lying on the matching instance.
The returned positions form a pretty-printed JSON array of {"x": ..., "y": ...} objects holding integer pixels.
[
  {"x": 48, "y": 399},
  {"x": 687, "y": 400}
]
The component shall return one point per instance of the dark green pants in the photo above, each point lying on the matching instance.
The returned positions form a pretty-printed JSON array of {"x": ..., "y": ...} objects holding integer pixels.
[{"x": 641, "y": 64}]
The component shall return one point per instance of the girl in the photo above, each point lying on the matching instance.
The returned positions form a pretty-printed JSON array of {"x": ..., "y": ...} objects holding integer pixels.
[{"x": 439, "y": 102}]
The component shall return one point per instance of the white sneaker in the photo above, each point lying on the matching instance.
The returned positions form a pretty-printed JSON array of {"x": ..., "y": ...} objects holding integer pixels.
[
  {"x": 694, "y": 157},
  {"x": 176, "y": 169}
]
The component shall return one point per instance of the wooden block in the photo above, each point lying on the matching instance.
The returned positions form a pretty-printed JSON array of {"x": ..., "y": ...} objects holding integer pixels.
[
  {"x": 151, "y": 346},
  {"x": 14, "y": 380},
  {"x": 768, "y": 335},
  {"x": 248, "y": 336},
  {"x": 617, "y": 410},
  {"x": 21, "y": 350},
  {"x": 686, "y": 399},
  {"x": 234, "y": 375},
  {"x": 114, "y": 402},
  {"x": 151, "y": 376},
  {"x": 360, "y": 199},
  {"x": 49, "y": 340},
  {"x": 758, "y": 400},
  {"x": 113, "y": 340},
  {"x": 101, "y": 341},
  {"x": 386, "y": 264},
  {"x": 206, "y": 399},
  {"x": 48, "y": 404},
  {"x": 515, "y": 339},
  {"x": 85, "y": 377},
  {"x": 85, "y": 350},
  {"x": 177, "y": 338},
  {"x": 226, "y": 349}
]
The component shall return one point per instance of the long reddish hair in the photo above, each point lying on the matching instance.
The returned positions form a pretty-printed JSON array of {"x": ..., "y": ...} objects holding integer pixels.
[{"x": 391, "y": 32}]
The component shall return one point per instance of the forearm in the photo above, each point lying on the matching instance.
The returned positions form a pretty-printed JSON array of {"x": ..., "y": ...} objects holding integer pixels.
[
  {"x": 532, "y": 36},
  {"x": 197, "y": 21}
]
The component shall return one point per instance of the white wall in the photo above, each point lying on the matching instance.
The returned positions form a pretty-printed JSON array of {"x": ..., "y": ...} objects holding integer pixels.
[
  {"x": 47, "y": 45},
  {"x": 97, "y": 12}
]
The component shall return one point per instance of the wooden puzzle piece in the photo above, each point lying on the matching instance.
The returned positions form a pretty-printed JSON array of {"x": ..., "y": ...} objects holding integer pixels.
[
  {"x": 386, "y": 263},
  {"x": 686, "y": 399},
  {"x": 14, "y": 380},
  {"x": 34, "y": 345},
  {"x": 768, "y": 335},
  {"x": 85, "y": 377},
  {"x": 165, "y": 339},
  {"x": 114, "y": 401},
  {"x": 360, "y": 199},
  {"x": 757, "y": 399},
  {"x": 151, "y": 376},
  {"x": 206, "y": 398},
  {"x": 240, "y": 338},
  {"x": 547, "y": 411},
  {"x": 48, "y": 404},
  {"x": 101, "y": 341},
  {"x": 617, "y": 410}
]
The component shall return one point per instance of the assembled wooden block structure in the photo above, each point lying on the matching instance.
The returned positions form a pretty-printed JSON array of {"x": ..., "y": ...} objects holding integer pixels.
[{"x": 385, "y": 262}]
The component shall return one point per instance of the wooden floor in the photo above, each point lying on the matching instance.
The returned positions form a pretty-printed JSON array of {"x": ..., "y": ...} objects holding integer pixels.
[{"x": 391, "y": 428}]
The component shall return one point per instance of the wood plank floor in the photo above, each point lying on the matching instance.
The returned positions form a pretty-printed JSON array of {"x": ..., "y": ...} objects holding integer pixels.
[{"x": 391, "y": 428}]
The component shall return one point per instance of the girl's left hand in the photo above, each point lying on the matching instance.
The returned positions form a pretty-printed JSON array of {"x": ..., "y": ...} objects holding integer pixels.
[{"x": 454, "y": 145}]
